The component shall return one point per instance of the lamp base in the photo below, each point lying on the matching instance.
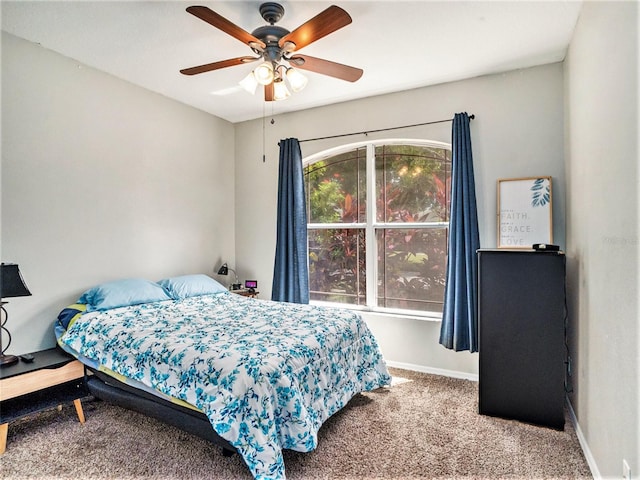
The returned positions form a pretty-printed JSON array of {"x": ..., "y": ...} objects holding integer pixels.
[{"x": 6, "y": 360}]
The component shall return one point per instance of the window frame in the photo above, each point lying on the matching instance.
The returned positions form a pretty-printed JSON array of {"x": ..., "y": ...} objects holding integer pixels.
[{"x": 372, "y": 225}]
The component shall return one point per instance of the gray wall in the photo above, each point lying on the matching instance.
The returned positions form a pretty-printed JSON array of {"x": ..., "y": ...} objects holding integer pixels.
[
  {"x": 602, "y": 230},
  {"x": 103, "y": 180},
  {"x": 518, "y": 132}
]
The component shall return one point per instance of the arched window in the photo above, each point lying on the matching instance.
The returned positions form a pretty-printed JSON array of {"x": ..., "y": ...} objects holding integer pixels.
[{"x": 378, "y": 216}]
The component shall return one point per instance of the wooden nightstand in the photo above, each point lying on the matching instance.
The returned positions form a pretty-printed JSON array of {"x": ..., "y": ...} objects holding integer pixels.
[
  {"x": 53, "y": 378},
  {"x": 246, "y": 293}
]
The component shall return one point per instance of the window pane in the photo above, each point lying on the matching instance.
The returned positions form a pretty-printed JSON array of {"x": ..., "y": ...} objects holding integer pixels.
[
  {"x": 411, "y": 268},
  {"x": 412, "y": 183},
  {"x": 336, "y": 188},
  {"x": 337, "y": 265}
]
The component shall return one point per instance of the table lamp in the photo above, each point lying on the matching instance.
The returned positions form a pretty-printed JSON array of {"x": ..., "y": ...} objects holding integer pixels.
[
  {"x": 11, "y": 285},
  {"x": 224, "y": 270}
]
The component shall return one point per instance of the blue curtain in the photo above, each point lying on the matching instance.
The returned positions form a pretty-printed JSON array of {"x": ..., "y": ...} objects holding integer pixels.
[
  {"x": 459, "y": 330},
  {"x": 290, "y": 272}
]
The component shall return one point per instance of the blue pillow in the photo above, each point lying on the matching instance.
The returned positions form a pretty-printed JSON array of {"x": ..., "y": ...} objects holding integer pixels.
[
  {"x": 122, "y": 293},
  {"x": 70, "y": 314},
  {"x": 186, "y": 286}
]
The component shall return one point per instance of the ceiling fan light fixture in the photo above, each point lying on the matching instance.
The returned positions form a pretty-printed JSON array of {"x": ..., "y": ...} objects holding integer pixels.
[
  {"x": 296, "y": 79},
  {"x": 249, "y": 83},
  {"x": 280, "y": 90},
  {"x": 264, "y": 73}
]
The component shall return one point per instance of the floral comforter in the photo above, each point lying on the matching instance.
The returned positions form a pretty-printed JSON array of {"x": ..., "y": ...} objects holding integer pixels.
[{"x": 267, "y": 374}]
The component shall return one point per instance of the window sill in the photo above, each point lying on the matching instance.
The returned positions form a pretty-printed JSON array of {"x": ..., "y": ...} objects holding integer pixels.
[{"x": 380, "y": 312}]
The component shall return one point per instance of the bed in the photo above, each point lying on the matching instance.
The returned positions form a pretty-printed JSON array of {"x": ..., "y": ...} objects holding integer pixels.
[{"x": 264, "y": 375}]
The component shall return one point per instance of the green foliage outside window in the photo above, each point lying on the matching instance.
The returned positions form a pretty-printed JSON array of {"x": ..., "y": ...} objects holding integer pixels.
[{"x": 412, "y": 184}]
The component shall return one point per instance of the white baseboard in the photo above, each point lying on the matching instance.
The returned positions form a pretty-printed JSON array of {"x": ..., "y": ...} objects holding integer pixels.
[
  {"x": 583, "y": 443},
  {"x": 435, "y": 371}
]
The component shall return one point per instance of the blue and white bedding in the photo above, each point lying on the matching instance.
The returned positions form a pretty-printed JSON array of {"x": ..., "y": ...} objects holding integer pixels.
[{"x": 266, "y": 374}]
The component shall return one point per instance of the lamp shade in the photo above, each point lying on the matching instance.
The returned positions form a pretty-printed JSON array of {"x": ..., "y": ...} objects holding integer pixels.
[
  {"x": 264, "y": 73},
  {"x": 224, "y": 270},
  {"x": 297, "y": 80},
  {"x": 11, "y": 282},
  {"x": 249, "y": 83},
  {"x": 280, "y": 90}
]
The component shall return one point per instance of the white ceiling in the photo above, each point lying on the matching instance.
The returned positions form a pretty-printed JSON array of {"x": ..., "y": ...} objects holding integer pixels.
[{"x": 399, "y": 45}]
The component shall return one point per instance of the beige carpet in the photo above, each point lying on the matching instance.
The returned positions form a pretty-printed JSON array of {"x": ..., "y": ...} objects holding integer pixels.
[{"x": 424, "y": 426}]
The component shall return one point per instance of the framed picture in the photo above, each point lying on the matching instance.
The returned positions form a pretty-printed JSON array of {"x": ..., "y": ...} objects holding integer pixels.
[{"x": 524, "y": 212}]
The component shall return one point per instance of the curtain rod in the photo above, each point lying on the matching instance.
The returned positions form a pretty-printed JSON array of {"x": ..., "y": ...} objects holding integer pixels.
[{"x": 471, "y": 117}]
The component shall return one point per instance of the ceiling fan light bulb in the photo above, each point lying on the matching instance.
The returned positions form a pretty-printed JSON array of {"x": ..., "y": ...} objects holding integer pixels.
[
  {"x": 264, "y": 73},
  {"x": 297, "y": 80},
  {"x": 280, "y": 90},
  {"x": 249, "y": 83}
]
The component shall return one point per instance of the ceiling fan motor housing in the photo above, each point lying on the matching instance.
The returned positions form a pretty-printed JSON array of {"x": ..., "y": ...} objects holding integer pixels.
[{"x": 270, "y": 35}]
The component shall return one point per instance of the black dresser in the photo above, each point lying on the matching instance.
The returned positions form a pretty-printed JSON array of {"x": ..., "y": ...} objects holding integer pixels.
[{"x": 521, "y": 317}]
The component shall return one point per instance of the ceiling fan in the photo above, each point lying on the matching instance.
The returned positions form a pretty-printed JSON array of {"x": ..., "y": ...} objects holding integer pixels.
[{"x": 274, "y": 44}]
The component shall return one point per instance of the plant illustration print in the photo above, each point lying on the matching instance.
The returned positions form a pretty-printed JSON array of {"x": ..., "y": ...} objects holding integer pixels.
[{"x": 541, "y": 192}]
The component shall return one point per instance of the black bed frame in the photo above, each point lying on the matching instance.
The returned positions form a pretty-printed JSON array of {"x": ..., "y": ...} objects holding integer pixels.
[{"x": 112, "y": 391}]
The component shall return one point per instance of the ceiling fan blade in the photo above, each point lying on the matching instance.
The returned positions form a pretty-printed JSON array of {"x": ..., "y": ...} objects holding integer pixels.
[
  {"x": 268, "y": 92},
  {"x": 326, "y": 22},
  {"x": 217, "y": 65},
  {"x": 325, "y": 67},
  {"x": 218, "y": 21}
]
